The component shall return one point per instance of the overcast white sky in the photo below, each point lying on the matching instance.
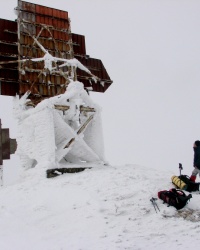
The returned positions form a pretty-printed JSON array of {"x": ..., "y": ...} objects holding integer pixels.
[{"x": 151, "y": 50}]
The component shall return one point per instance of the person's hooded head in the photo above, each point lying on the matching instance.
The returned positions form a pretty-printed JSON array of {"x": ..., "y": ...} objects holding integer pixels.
[{"x": 197, "y": 143}]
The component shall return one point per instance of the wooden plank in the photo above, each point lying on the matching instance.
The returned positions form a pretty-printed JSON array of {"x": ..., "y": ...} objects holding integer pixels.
[
  {"x": 86, "y": 109},
  {"x": 80, "y": 130},
  {"x": 62, "y": 107},
  {"x": 65, "y": 107}
]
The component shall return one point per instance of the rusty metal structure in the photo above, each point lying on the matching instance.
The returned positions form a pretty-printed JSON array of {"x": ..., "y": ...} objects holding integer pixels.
[
  {"x": 41, "y": 36},
  {"x": 39, "y": 29},
  {"x": 9, "y": 83},
  {"x": 7, "y": 145}
]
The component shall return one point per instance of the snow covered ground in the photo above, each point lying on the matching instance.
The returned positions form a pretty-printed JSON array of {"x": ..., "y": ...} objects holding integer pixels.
[{"x": 104, "y": 208}]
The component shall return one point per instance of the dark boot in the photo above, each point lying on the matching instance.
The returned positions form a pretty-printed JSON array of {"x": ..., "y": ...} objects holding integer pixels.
[{"x": 193, "y": 178}]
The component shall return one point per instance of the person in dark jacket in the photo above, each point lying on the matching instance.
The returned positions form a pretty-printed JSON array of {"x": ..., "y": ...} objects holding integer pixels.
[{"x": 196, "y": 162}]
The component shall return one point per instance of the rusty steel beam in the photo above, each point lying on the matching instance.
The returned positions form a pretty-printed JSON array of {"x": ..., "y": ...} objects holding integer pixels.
[
  {"x": 80, "y": 130},
  {"x": 7, "y": 146},
  {"x": 64, "y": 107},
  {"x": 8, "y": 55},
  {"x": 5, "y": 141}
]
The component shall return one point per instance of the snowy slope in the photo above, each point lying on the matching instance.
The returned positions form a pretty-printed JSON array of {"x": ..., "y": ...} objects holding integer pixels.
[{"x": 97, "y": 209}]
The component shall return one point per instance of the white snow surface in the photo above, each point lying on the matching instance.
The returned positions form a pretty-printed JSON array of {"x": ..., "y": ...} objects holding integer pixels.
[{"x": 98, "y": 209}]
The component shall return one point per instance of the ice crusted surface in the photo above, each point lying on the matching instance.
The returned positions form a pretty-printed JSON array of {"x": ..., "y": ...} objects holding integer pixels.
[
  {"x": 101, "y": 208},
  {"x": 44, "y": 131}
]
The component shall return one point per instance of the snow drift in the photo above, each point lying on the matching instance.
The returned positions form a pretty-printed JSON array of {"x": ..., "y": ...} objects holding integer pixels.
[{"x": 100, "y": 208}]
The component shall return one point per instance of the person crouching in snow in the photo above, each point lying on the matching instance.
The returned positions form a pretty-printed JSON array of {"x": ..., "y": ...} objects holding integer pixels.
[{"x": 196, "y": 164}]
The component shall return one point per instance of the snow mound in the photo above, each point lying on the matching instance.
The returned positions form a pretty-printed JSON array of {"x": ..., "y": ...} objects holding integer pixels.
[{"x": 100, "y": 208}]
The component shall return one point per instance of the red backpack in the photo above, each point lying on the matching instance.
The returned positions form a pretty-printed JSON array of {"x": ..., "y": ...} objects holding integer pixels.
[{"x": 174, "y": 197}]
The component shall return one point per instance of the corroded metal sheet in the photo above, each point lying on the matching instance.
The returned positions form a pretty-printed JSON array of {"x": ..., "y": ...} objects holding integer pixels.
[
  {"x": 8, "y": 31},
  {"x": 79, "y": 44},
  {"x": 97, "y": 68},
  {"x": 8, "y": 87},
  {"x": 8, "y": 52},
  {"x": 5, "y": 141},
  {"x": 7, "y": 146},
  {"x": 51, "y": 28},
  {"x": 29, "y": 7}
]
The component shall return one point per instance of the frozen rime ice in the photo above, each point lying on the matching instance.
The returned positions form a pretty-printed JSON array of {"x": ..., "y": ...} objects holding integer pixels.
[
  {"x": 43, "y": 131},
  {"x": 49, "y": 59}
]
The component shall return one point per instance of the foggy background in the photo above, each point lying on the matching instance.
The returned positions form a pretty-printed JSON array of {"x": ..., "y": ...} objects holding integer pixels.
[{"x": 151, "y": 50}]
